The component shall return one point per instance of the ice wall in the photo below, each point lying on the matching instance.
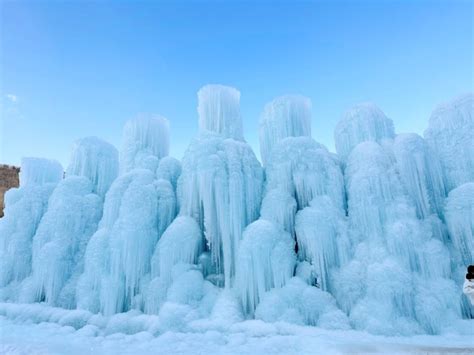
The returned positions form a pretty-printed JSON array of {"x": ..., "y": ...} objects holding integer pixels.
[
  {"x": 145, "y": 141},
  {"x": 451, "y": 135},
  {"x": 96, "y": 160},
  {"x": 285, "y": 116},
  {"x": 362, "y": 123},
  {"x": 219, "y": 111},
  {"x": 24, "y": 208},
  {"x": 221, "y": 181}
]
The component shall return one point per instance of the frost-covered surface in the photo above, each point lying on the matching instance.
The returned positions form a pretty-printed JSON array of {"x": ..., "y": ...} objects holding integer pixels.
[
  {"x": 214, "y": 247},
  {"x": 362, "y": 123},
  {"x": 286, "y": 116},
  {"x": 451, "y": 135}
]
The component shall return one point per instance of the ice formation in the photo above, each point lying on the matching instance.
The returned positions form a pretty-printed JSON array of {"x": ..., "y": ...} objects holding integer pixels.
[
  {"x": 219, "y": 111},
  {"x": 137, "y": 210},
  {"x": 221, "y": 180},
  {"x": 266, "y": 261},
  {"x": 421, "y": 173},
  {"x": 25, "y": 207},
  {"x": 451, "y": 135},
  {"x": 362, "y": 123},
  {"x": 96, "y": 160},
  {"x": 286, "y": 116},
  {"x": 145, "y": 142},
  {"x": 376, "y": 237}
]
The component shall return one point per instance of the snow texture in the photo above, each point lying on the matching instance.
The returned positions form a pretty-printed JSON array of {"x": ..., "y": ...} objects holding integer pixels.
[
  {"x": 39, "y": 171},
  {"x": 286, "y": 116}
]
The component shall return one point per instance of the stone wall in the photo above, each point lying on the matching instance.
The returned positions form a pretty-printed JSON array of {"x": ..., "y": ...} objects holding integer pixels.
[{"x": 9, "y": 177}]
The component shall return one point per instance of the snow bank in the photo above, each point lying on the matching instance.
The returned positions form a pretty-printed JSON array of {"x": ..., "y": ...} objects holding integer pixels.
[
  {"x": 451, "y": 135},
  {"x": 95, "y": 159},
  {"x": 219, "y": 111},
  {"x": 362, "y": 123},
  {"x": 285, "y": 116}
]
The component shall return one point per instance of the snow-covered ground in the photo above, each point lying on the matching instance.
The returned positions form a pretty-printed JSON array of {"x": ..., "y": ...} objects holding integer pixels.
[{"x": 248, "y": 337}]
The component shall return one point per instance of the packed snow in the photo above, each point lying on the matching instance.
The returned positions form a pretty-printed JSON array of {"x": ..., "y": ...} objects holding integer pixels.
[{"x": 314, "y": 251}]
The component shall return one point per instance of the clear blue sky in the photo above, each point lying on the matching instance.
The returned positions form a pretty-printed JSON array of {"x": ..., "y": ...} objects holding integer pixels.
[{"x": 71, "y": 69}]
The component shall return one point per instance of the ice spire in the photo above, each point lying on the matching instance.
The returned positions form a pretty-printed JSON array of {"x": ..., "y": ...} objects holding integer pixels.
[
  {"x": 451, "y": 135},
  {"x": 362, "y": 123},
  {"x": 221, "y": 181},
  {"x": 145, "y": 142},
  {"x": 219, "y": 111},
  {"x": 286, "y": 116}
]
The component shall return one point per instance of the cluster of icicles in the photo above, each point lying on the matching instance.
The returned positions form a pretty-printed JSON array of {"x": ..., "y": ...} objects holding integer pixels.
[{"x": 375, "y": 237}]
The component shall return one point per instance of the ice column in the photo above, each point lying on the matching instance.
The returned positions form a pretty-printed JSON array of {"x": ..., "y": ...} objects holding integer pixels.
[
  {"x": 362, "y": 123},
  {"x": 285, "y": 116},
  {"x": 221, "y": 181},
  {"x": 451, "y": 135}
]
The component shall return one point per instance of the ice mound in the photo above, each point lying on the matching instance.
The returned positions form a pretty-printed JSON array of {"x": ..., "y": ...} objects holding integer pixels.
[
  {"x": 285, "y": 116},
  {"x": 421, "y": 174},
  {"x": 219, "y": 111},
  {"x": 451, "y": 135},
  {"x": 266, "y": 260},
  {"x": 362, "y": 123},
  {"x": 299, "y": 303},
  {"x": 145, "y": 142},
  {"x": 38, "y": 171},
  {"x": 305, "y": 169},
  {"x": 24, "y": 208},
  {"x": 95, "y": 159}
]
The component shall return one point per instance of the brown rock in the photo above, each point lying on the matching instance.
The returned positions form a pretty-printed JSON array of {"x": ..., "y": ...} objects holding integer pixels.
[{"x": 9, "y": 177}]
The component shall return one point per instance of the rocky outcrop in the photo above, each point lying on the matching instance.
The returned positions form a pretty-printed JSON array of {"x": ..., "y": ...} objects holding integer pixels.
[{"x": 9, "y": 177}]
